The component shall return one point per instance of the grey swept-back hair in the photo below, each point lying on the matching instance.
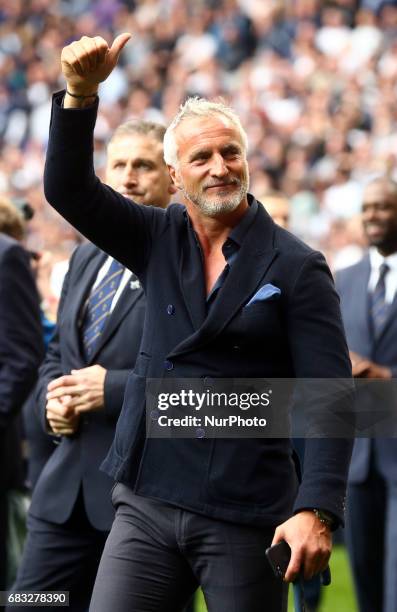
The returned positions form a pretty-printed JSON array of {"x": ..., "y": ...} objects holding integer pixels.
[{"x": 198, "y": 107}]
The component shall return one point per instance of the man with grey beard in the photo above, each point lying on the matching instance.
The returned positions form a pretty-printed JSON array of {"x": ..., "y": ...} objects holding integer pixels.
[{"x": 229, "y": 294}]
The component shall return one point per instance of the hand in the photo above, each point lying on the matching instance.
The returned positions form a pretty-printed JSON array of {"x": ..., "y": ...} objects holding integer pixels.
[
  {"x": 374, "y": 370},
  {"x": 89, "y": 61},
  {"x": 61, "y": 418},
  {"x": 310, "y": 541},
  {"x": 359, "y": 364},
  {"x": 86, "y": 388},
  {"x": 365, "y": 368}
]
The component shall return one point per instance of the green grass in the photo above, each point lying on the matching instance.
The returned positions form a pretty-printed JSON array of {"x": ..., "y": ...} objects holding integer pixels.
[{"x": 338, "y": 596}]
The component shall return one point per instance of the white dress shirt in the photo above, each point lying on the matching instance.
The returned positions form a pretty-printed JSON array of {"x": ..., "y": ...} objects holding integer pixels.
[{"x": 376, "y": 260}]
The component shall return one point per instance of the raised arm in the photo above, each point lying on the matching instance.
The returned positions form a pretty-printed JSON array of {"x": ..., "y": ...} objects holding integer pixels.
[{"x": 114, "y": 223}]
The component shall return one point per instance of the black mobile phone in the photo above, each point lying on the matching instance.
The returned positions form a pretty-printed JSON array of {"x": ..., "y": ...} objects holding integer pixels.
[{"x": 279, "y": 557}]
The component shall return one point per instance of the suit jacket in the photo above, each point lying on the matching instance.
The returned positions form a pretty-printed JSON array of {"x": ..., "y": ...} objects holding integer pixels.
[
  {"x": 298, "y": 335},
  {"x": 21, "y": 349},
  {"x": 76, "y": 460},
  {"x": 352, "y": 285},
  {"x": 40, "y": 445}
]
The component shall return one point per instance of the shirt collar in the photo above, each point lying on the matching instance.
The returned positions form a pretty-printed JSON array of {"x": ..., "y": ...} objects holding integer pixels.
[
  {"x": 236, "y": 237},
  {"x": 376, "y": 260},
  {"x": 238, "y": 233}
]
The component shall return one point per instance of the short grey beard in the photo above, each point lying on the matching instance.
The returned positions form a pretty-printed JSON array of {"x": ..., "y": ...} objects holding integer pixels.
[{"x": 213, "y": 208}]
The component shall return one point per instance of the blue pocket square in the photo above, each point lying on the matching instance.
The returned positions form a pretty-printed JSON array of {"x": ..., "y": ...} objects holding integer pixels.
[{"x": 264, "y": 293}]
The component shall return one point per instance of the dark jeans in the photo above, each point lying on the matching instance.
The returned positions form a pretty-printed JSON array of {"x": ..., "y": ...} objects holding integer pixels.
[
  {"x": 157, "y": 555},
  {"x": 61, "y": 557}
]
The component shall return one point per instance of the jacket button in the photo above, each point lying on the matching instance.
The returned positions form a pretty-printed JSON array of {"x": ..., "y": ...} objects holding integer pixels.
[
  {"x": 170, "y": 309},
  {"x": 168, "y": 365},
  {"x": 200, "y": 433},
  {"x": 154, "y": 415}
]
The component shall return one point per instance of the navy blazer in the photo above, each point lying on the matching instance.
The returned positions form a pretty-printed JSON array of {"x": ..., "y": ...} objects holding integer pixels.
[
  {"x": 21, "y": 346},
  {"x": 76, "y": 460},
  {"x": 352, "y": 285},
  {"x": 298, "y": 335}
]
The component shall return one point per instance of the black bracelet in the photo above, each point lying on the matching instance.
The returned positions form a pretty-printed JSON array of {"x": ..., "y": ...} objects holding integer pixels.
[
  {"x": 326, "y": 518},
  {"x": 94, "y": 95}
]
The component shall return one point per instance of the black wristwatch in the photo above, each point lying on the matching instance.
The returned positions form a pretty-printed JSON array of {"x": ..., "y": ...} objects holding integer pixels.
[{"x": 325, "y": 517}]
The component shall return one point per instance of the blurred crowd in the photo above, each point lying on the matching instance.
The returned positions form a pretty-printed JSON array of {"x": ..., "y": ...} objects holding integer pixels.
[{"x": 313, "y": 81}]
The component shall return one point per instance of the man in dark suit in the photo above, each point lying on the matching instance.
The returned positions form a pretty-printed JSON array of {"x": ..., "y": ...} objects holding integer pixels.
[
  {"x": 369, "y": 308},
  {"x": 81, "y": 386},
  {"x": 21, "y": 351},
  {"x": 229, "y": 294}
]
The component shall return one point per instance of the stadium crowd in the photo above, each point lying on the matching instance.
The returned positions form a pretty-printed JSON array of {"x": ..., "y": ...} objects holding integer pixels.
[{"x": 313, "y": 81}]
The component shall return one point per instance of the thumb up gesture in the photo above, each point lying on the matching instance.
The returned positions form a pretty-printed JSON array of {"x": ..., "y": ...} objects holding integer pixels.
[{"x": 89, "y": 61}]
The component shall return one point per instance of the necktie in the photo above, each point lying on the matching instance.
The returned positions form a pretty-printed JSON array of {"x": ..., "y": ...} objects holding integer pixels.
[
  {"x": 98, "y": 307},
  {"x": 379, "y": 306}
]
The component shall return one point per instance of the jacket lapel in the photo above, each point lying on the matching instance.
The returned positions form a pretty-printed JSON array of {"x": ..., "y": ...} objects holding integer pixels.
[
  {"x": 191, "y": 279},
  {"x": 390, "y": 318},
  {"x": 362, "y": 305},
  {"x": 254, "y": 259}
]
